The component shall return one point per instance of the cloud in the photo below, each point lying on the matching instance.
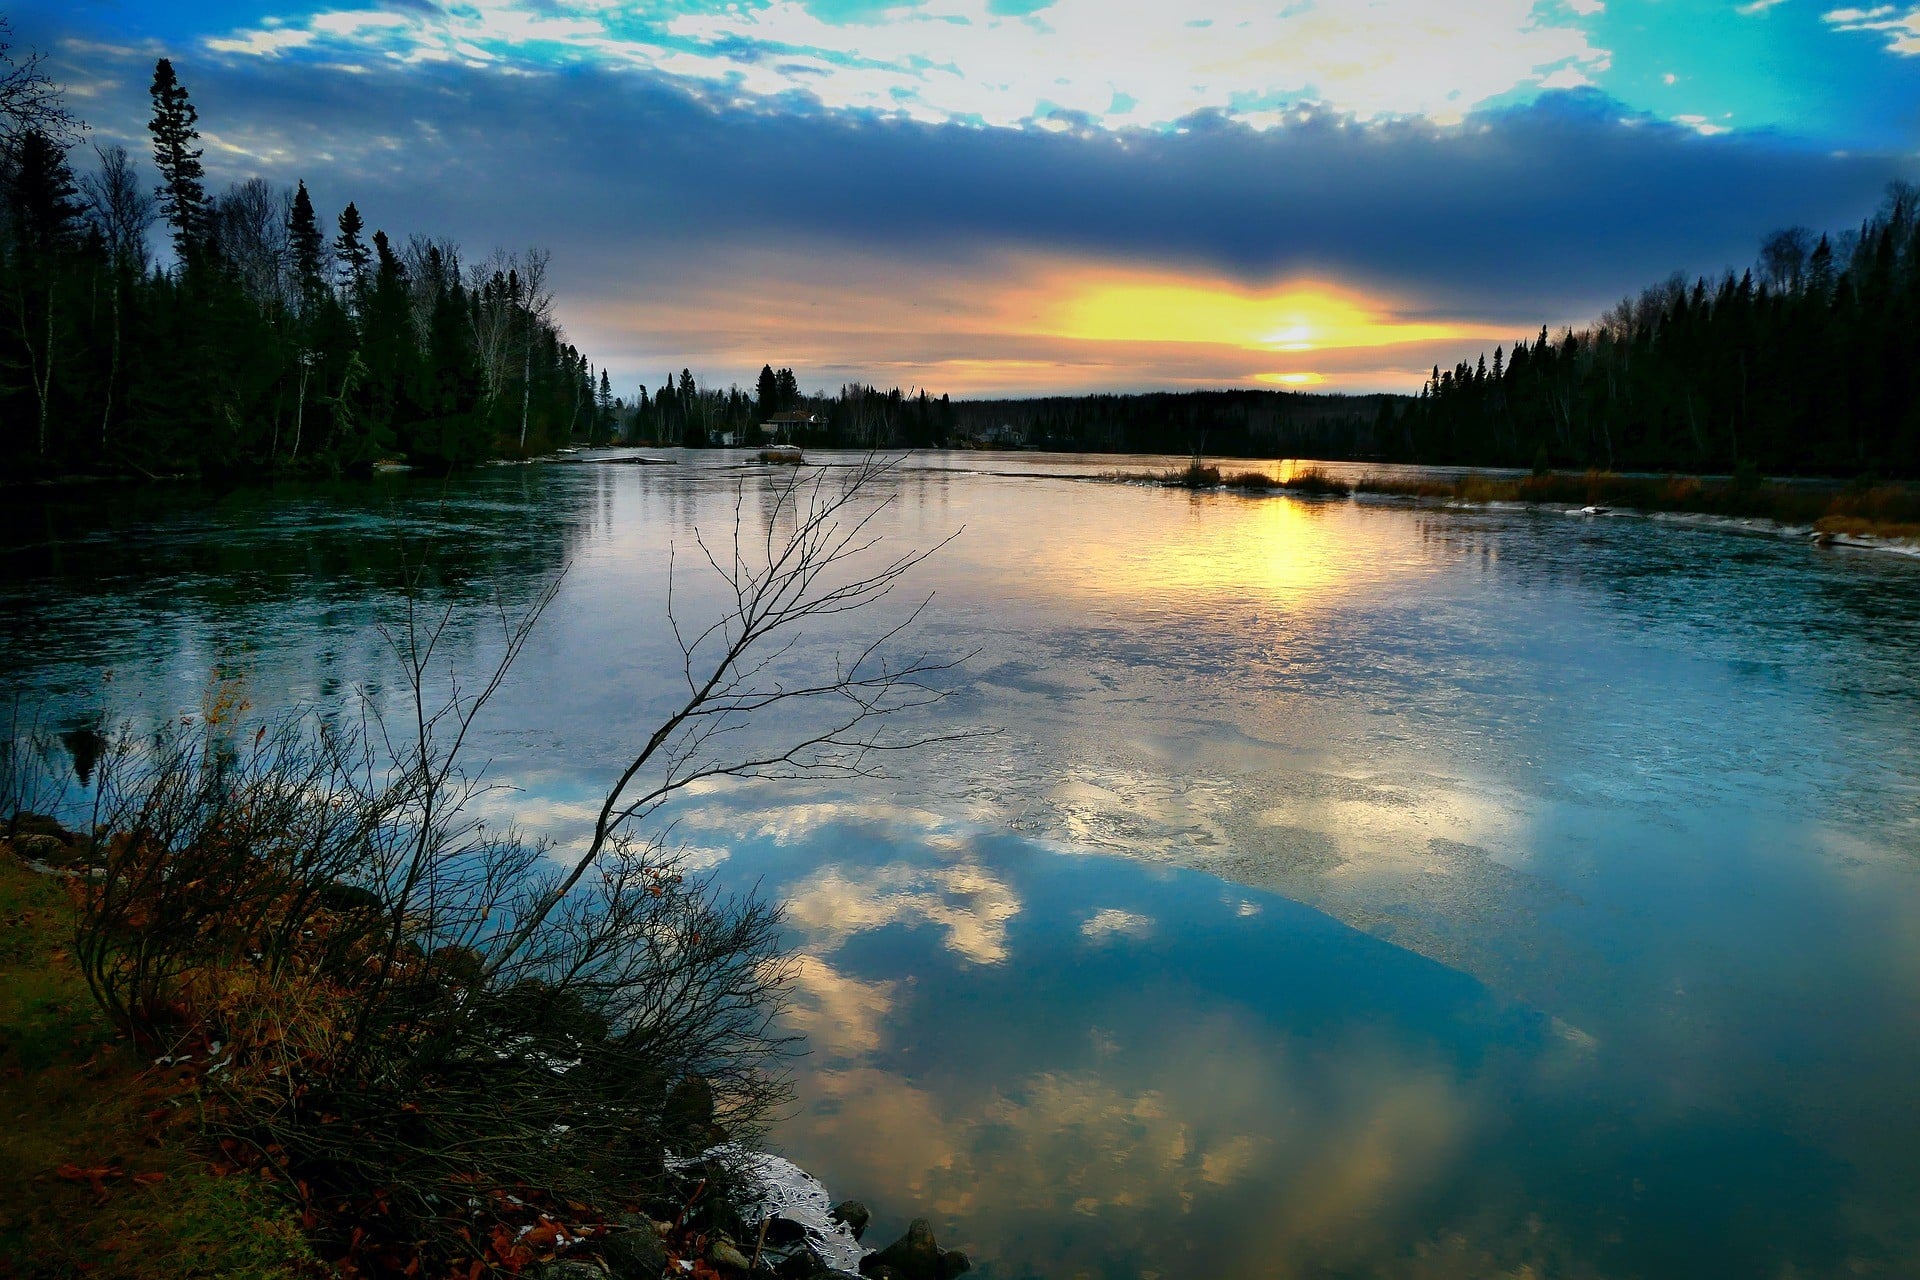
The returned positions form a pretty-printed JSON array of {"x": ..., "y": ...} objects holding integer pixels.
[
  {"x": 839, "y": 1015},
  {"x": 1323, "y": 1159},
  {"x": 1902, "y": 29},
  {"x": 968, "y": 903},
  {"x": 693, "y": 229},
  {"x": 1113, "y": 922},
  {"x": 1112, "y": 63},
  {"x": 1758, "y": 7}
]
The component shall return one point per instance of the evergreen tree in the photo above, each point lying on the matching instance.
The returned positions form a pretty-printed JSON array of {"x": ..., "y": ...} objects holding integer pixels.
[
  {"x": 352, "y": 254},
  {"x": 767, "y": 393},
  {"x": 183, "y": 197},
  {"x": 306, "y": 245},
  {"x": 43, "y": 201}
]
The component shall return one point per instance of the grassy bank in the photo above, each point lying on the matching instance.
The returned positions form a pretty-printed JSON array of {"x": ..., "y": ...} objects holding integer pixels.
[
  {"x": 1863, "y": 508},
  {"x": 99, "y": 1175}
]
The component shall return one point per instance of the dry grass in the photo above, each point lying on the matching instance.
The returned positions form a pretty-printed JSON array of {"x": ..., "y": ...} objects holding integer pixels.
[
  {"x": 98, "y": 1172},
  {"x": 1315, "y": 481},
  {"x": 1856, "y": 526}
]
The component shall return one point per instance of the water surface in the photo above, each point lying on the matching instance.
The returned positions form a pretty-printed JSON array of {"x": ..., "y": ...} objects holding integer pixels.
[{"x": 1346, "y": 887}]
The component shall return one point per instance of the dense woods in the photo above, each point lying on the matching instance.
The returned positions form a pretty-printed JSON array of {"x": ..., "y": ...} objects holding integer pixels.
[
  {"x": 1236, "y": 423},
  {"x": 682, "y": 412},
  {"x": 1807, "y": 364},
  {"x": 275, "y": 337}
]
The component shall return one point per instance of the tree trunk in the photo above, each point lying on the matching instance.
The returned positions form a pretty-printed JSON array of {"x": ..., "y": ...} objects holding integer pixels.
[
  {"x": 44, "y": 382},
  {"x": 526, "y": 385},
  {"x": 299, "y": 412},
  {"x": 113, "y": 369}
]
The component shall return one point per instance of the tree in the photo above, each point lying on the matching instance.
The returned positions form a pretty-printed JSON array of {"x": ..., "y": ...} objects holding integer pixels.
[
  {"x": 767, "y": 393},
  {"x": 43, "y": 200},
  {"x": 44, "y": 214},
  {"x": 424, "y": 1021},
  {"x": 353, "y": 255},
  {"x": 306, "y": 245},
  {"x": 536, "y": 302},
  {"x": 29, "y": 99},
  {"x": 183, "y": 198},
  {"x": 1783, "y": 256},
  {"x": 247, "y": 228},
  {"x": 121, "y": 212},
  {"x": 119, "y": 208}
]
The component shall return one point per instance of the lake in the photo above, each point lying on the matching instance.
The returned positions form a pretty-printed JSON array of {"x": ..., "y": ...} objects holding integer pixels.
[{"x": 1332, "y": 888}]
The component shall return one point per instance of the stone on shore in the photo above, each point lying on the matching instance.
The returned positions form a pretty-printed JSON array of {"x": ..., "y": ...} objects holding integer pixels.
[
  {"x": 855, "y": 1215},
  {"x": 915, "y": 1256}
]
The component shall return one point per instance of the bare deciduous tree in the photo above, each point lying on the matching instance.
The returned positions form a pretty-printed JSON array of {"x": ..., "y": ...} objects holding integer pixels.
[
  {"x": 495, "y": 289},
  {"x": 29, "y": 99},
  {"x": 812, "y": 558},
  {"x": 419, "y": 1015},
  {"x": 536, "y": 301}
]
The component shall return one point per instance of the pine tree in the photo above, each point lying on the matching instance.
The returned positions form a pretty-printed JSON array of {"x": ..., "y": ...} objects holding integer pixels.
[
  {"x": 767, "y": 393},
  {"x": 352, "y": 254},
  {"x": 183, "y": 197},
  {"x": 43, "y": 200},
  {"x": 306, "y": 244}
]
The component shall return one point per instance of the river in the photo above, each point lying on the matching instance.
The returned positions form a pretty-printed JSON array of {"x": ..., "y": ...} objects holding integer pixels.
[{"x": 1322, "y": 887}]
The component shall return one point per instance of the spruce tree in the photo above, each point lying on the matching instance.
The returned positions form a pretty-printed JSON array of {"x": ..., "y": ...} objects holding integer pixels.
[
  {"x": 42, "y": 199},
  {"x": 306, "y": 244},
  {"x": 352, "y": 254},
  {"x": 183, "y": 197}
]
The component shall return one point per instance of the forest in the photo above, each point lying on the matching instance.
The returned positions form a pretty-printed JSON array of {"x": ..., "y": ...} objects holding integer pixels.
[
  {"x": 277, "y": 339},
  {"x": 1807, "y": 364}
]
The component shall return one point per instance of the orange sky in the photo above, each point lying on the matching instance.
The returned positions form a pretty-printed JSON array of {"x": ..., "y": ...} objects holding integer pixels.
[{"x": 1025, "y": 324}]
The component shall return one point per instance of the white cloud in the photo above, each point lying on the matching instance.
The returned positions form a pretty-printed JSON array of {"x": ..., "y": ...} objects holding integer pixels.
[
  {"x": 1121, "y": 63},
  {"x": 839, "y": 1015},
  {"x": 968, "y": 903},
  {"x": 1758, "y": 7},
  {"x": 1112, "y": 922},
  {"x": 1902, "y": 30}
]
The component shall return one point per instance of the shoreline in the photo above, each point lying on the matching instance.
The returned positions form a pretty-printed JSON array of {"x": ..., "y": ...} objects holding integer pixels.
[{"x": 1857, "y": 516}]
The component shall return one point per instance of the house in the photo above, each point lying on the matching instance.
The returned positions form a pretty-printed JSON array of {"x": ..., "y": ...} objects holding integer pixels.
[{"x": 780, "y": 428}]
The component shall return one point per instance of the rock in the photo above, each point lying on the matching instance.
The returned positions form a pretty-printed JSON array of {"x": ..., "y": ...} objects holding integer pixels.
[
  {"x": 724, "y": 1253},
  {"x": 570, "y": 1269},
  {"x": 954, "y": 1263},
  {"x": 35, "y": 847},
  {"x": 39, "y": 824},
  {"x": 633, "y": 1255},
  {"x": 802, "y": 1264},
  {"x": 854, "y": 1214},
  {"x": 914, "y": 1256},
  {"x": 784, "y": 1233}
]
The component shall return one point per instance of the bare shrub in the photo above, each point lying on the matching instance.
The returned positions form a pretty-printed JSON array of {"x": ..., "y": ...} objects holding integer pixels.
[{"x": 429, "y": 1032}]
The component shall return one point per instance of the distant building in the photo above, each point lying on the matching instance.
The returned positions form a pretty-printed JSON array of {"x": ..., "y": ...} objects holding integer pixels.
[
  {"x": 1004, "y": 436},
  {"x": 780, "y": 427}
]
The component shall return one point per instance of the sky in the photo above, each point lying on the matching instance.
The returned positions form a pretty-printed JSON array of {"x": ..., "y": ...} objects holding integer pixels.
[{"x": 984, "y": 197}]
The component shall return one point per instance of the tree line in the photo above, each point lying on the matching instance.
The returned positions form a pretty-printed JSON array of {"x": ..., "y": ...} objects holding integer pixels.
[
  {"x": 857, "y": 416},
  {"x": 273, "y": 340},
  {"x": 1242, "y": 423},
  {"x": 1807, "y": 364}
]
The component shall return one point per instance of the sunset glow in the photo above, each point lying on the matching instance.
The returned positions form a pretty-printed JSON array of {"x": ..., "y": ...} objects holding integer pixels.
[{"x": 1018, "y": 196}]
